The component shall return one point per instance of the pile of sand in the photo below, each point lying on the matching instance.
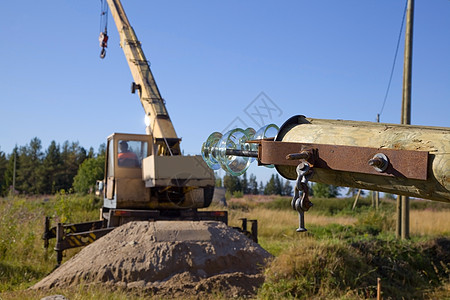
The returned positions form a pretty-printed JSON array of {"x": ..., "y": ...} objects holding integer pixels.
[{"x": 173, "y": 258}]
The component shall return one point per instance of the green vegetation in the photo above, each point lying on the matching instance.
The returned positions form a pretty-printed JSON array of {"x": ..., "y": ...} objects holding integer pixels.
[
  {"x": 330, "y": 268},
  {"x": 275, "y": 185},
  {"x": 340, "y": 257},
  {"x": 323, "y": 190},
  {"x": 91, "y": 170},
  {"x": 343, "y": 261},
  {"x": 45, "y": 173},
  {"x": 23, "y": 260}
]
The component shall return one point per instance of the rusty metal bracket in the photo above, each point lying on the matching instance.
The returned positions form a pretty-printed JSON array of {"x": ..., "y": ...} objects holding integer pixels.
[{"x": 400, "y": 163}]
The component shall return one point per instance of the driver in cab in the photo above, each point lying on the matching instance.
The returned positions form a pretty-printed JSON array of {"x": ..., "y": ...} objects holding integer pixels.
[{"x": 127, "y": 158}]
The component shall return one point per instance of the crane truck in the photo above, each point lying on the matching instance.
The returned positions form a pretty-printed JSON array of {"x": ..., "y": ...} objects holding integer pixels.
[
  {"x": 146, "y": 175},
  {"x": 158, "y": 183}
]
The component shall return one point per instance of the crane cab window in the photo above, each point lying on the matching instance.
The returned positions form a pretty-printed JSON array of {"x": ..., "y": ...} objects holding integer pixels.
[{"x": 131, "y": 153}]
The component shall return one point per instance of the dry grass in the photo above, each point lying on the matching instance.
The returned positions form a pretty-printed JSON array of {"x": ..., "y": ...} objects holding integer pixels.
[
  {"x": 335, "y": 269},
  {"x": 320, "y": 268},
  {"x": 276, "y": 221},
  {"x": 277, "y": 228},
  {"x": 423, "y": 222},
  {"x": 430, "y": 222},
  {"x": 82, "y": 292},
  {"x": 299, "y": 256}
]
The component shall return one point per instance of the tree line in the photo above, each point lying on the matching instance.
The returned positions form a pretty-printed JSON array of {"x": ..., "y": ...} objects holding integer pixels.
[
  {"x": 72, "y": 168},
  {"x": 238, "y": 186},
  {"x": 34, "y": 171}
]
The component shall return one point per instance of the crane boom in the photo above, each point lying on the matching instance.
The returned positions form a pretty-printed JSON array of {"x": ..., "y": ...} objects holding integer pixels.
[{"x": 160, "y": 124}]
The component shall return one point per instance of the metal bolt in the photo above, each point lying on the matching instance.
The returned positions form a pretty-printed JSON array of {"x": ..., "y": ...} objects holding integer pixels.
[
  {"x": 379, "y": 162},
  {"x": 301, "y": 155},
  {"x": 376, "y": 162}
]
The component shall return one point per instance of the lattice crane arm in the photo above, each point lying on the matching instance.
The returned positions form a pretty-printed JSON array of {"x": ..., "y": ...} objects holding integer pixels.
[{"x": 161, "y": 126}]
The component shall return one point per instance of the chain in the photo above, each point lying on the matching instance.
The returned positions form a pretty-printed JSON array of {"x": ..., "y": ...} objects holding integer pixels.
[{"x": 302, "y": 204}]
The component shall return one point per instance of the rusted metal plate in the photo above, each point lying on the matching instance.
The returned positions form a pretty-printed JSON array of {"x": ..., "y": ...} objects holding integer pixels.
[{"x": 402, "y": 163}]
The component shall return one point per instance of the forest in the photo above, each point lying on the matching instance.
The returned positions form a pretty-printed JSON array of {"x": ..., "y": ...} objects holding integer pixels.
[
  {"x": 71, "y": 168},
  {"x": 43, "y": 172}
]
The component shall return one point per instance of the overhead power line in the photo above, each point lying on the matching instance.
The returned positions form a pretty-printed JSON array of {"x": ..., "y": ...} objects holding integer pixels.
[{"x": 395, "y": 59}]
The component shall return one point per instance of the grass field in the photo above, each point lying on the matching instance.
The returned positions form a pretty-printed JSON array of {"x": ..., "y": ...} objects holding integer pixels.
[{"x": 340, "y": 257}]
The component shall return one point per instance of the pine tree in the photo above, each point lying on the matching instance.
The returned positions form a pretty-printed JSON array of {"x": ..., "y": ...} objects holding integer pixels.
[
  {"x": 278, "y": 185},
  {"x": 72, "y": 156},
  {"x": 29, "y": 175},
  {"x": 270, "y": 188},
  {"x": 232, "y": 183},
  {"x": 322, "y": 190},
  {"x": 253, "y": 185},
  {"x": 91, "y": 153},
  {"x": 102, "y": 150},
  {"x": 42, "y": 173},
  {"x": 3, "y": 167},
  {"x": 261, "y": 188},
  {"x": 244, "y": 184},
  {"x": 52, "y": 169},
  {"x": 287, "y": 189}
]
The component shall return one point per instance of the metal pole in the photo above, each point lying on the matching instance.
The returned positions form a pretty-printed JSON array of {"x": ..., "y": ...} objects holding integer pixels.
[{"x": 406, "y": 101}]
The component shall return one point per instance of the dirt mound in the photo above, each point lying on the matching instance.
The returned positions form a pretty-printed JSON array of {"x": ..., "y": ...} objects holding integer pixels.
[{"x": 167, "y": 258}]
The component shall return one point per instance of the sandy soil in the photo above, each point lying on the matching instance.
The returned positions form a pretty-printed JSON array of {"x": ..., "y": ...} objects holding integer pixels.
[{"x": 176, "y": 258}]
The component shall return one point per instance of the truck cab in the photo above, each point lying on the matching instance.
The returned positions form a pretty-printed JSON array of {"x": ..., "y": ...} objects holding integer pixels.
[
  {"x": 124, "y": 187},
  {"x": 136, "y": 177}
]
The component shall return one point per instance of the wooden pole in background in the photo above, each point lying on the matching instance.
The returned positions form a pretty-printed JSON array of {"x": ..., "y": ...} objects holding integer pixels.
[
  {"x": 14, "y": 174},
  {"x": 378, "y": 288},
  {"x": 377, "y": 193},
  {"x": 356, "y": 199},
  {"x": 398, "y": 209},
  {"x": 406, "y": 102}
]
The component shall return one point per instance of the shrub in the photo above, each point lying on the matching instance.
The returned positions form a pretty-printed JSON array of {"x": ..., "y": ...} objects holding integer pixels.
[
  {"x": 319, "y": 268},
  {"x": 238, "y": 194}
]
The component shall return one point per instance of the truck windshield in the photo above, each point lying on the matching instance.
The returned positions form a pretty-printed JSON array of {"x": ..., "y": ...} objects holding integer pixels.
[{"x": 131, "y": 153}]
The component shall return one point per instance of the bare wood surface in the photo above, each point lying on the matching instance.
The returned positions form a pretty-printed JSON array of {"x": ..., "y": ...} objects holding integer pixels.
[{"x": 435, "y": 140}]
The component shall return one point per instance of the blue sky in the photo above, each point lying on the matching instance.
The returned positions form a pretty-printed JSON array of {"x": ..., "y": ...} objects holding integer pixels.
[{"x": 211, "y": 59}]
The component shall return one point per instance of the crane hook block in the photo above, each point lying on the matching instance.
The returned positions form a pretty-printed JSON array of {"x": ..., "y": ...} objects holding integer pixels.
[
  {"x": 103, "y": 53},
  {"x": 103, "y": 39}
]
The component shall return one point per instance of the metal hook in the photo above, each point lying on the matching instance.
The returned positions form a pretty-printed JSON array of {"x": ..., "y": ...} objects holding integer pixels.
[{"x": 301, "y": 204}]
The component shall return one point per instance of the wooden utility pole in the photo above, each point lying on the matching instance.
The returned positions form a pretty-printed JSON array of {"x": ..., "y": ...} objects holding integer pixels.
[
  {"x": 377, "y": 193},
  {"x": 406, "y": 104},
  {"x": 398, "y": 207},
  {"x": 356, "y": 199},
  {"x": 14, "y": 175},
  {"x": 379, "y": 289}
]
